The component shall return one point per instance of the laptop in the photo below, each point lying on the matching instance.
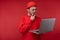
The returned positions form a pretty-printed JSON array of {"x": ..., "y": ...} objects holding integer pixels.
[{"x": 46, "y": 25}]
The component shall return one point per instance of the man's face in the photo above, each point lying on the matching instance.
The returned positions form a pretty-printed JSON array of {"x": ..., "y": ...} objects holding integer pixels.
[{"x": 32, "y": 10}]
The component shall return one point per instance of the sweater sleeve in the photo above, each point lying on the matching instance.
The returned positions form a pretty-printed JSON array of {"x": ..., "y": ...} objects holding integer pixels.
[
  {"x": 37, "y": 24},
  {"x": 24, "y": 27}
]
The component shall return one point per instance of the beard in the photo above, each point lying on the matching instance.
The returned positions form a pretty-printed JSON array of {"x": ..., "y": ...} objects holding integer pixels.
[{"x": 31, "y": 14}]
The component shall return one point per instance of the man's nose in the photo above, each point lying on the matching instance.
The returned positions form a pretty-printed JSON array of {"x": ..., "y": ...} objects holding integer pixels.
[{"x": 34, "y": 10}]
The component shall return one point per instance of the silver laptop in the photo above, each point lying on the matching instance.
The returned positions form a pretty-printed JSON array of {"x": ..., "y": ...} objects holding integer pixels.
[{"x": 46, "y": 25}]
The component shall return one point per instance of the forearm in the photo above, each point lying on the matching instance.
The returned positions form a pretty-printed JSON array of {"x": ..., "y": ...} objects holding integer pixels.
[{"x": 25, "y": 27}]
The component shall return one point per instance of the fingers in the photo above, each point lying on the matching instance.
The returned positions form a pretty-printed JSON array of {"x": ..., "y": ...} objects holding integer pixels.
[{"x": 34, "y": 32}]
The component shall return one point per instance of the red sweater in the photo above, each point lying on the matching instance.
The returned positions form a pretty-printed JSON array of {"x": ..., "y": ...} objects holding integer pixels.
[{"x": 25, "y": 25}]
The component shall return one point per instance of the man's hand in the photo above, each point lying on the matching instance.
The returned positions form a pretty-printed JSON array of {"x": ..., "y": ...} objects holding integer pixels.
[
  {"x": 35, "y": 31},
  {"x": 32, "y": 17}
]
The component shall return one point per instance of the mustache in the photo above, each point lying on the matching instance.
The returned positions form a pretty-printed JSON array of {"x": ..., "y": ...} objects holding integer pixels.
[{"x": 31, "y": 14}]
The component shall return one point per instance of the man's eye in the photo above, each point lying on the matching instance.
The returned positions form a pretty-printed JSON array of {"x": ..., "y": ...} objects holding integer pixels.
[{"x": 33, "y": 10}]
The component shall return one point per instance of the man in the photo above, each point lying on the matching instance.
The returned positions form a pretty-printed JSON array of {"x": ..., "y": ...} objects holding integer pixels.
[{"x": 30, "y": 22}]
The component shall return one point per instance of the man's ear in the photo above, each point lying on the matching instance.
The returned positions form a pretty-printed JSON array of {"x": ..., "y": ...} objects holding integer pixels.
[{"x": 28, "y": 10}]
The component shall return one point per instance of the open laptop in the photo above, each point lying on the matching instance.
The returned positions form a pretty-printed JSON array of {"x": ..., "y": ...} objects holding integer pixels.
[{"x": 46, "y": 25}]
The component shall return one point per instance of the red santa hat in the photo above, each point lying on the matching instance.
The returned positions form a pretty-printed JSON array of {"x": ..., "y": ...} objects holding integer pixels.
[{"x": 30, "y": 4}]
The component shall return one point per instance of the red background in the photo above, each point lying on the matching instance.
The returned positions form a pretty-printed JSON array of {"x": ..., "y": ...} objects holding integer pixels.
[{"x": 11, "y": 11}]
